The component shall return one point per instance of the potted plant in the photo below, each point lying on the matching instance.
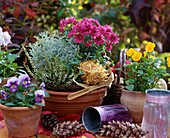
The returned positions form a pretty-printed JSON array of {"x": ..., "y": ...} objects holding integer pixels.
[
  {"x": 7, "y": 66},
  {"x": 143, "y": 72},
  {"x": 61, "y": 59},
  {"x": 21, "y": 105}
]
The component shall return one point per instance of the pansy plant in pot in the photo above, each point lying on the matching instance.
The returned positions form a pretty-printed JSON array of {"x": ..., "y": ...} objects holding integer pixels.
[
  {"x": 8, "y": 68},
  {"x": 77, "y": 55},
  {"x": 21, "y": 105},
  {"x": 143, "y": 72}
]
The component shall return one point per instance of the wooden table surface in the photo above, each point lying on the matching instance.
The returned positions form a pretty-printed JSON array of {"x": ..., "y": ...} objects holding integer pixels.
[{"x": 4, "y": 134}]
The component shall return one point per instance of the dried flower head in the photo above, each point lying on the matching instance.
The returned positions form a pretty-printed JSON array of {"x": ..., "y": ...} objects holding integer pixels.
[{"x": 93, "y": 72}]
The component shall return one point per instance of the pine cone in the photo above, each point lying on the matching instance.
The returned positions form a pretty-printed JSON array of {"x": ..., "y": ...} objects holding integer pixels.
[
  {"x": 120, "y": 129},
  {"x": 49, "y": 121},
  {"x": 67, "y": 129}
]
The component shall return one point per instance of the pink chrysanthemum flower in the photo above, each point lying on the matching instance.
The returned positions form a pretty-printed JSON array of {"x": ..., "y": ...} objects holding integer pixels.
[
  {"x": 76, "y": 28},
  {"x": 108, "y": 28},
  {"x": 69, "y": 20},
  {"x": 99, "y": 40},
  {"x": 94, "y": 31},
  {"x": 87, "y": 43},
  {"x": 62, "y": 23},
  {"x": 79, "y": 38},
  {"x": 108, "y": 47},
  {"x": 114, "y": 38},
  {"x": 102, "y": 30},
  {"x": 70, "y": 34}
]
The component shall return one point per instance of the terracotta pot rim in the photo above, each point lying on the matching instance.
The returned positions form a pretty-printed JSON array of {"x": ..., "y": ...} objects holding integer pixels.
[
  {"x": 67, "y": 93},
  {"x": 137, "y": 92},
  {"x": 21, "y": 108}
]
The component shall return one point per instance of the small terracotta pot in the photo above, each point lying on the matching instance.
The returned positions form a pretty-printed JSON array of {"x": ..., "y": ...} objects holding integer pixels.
[
  {"x": 57, "y": 102},
  {"x": 4, "y": 81},
  {"x": 21, "y": 121},
  {"x": 134, "y": 101}
]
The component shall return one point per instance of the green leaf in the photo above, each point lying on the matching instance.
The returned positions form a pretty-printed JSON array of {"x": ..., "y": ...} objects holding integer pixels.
[
  {"x": 19, "y": 96},
  {"x": 130, "y": 87},
  {"x": 151, "y": 80},
  {"x": 9, "y": 104},
  {"x": 130, "y": 81},
  {"x": 40, "y": 104},
  {"x": 60, "y": 13},
  {"x": 140, "y": 72},
  {"x": 12, "y": 57},
  {"x": 47, "y": 94},
  {"x": 29, "y": 94},
  {"x": 161, "y": 70},
  {"x": 31, "y": 106}
]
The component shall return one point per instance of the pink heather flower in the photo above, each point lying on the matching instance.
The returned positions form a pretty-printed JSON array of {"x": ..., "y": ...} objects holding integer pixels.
[
  {"x": 114, "y": 38},
  {"x": 87, "y": 43},
  {"x": 99, "y": 40},
  {"x": 78, "y": 38}
]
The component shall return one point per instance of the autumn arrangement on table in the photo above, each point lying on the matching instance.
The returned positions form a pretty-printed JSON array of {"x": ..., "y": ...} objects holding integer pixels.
[
  {"x": 144, "y": 70},
  {"x": 80, "y": 50}
]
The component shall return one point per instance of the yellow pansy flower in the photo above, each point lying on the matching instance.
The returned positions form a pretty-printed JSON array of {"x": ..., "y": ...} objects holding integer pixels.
[
  {"x": 150, "y": 47},
  {"x": 168, "y": 59},
  {"x": 136, "y": 56},
  {"x": 144, "y": 53},
  {"x": 152, "y": 57},
  {"x": 130, "y": 52},
  {"x": 168, "y": 64}
]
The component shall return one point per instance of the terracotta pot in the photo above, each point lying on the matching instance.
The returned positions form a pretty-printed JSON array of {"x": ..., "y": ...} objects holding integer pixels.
[
  {"x": 57, "y": 102},
  {"x": 21, "y": 121},
  {"x": 4, "y": 81},
  {"x": 135, "y": 102}
]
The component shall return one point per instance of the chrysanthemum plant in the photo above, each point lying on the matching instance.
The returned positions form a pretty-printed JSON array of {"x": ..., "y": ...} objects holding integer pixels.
[
  {"x": 7, "y": 66},
  {"x": 94, "y": 40},
  {"x": 144, "y": 71},
  {"x": 19, "y": 92}
]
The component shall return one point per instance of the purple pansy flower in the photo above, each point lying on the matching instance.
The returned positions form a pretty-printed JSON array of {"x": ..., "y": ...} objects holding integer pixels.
[
  {"x": 4, "y": 94},
  {"x": 43, "y": 86},
  {"x": 39, "y": 94},
  {"x": 13, "y": 84},
  {"x": 25, "y": 79}
]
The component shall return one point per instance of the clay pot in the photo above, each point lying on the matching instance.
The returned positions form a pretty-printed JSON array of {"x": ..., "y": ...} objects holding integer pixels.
[
  {"x": 134, "y": 101},
  {"x": 57, "y": 102},
  {"x": 4, "y": 81},
  {"x": 21, "y": 121}
]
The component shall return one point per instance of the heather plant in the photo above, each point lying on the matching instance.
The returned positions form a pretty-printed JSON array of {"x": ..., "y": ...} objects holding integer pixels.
[
  {"x": 144, "y": 71},
  {"x": 19, "y": 92},
  {"x": 53, "y": 59}
]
